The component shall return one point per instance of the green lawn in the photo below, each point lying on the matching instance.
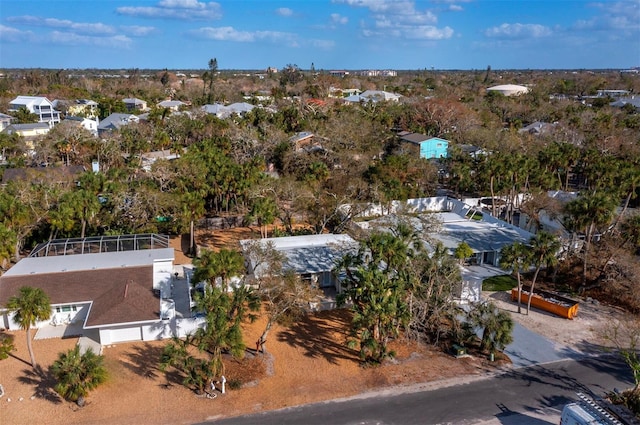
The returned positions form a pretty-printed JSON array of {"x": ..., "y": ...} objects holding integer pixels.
[{"x": 499, "y": 283}]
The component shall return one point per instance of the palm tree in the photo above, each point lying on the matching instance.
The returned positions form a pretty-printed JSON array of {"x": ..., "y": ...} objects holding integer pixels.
[
  {"x": 29, "y": 307},
  {"x": 497, "y": 326},
  {"x": 77, "y": 373},
  {"x": 223, "y": 264},
  {"x": 264, "y": 210},
  {"x": 515, "y": 257},
  {"x": 544, "y": 248},
  {"x": 193, "y": 208},
  {"x": 85, "y": 205},
  {"x": 462, "y": 252},
  {"x": 586, "y": 214}
]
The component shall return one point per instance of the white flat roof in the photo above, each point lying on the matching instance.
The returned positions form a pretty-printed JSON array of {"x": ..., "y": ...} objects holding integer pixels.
[
  {"x": 308, "y": 253},
  {"x": 305, "y": 241},
  {"x": 79, "y": 262}
]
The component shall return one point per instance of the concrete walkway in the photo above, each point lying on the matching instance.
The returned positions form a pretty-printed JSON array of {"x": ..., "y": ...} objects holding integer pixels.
[{"x": 90, "y": 339}]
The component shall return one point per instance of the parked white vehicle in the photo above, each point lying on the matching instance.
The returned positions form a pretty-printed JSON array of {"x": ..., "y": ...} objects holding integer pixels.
[{"x": 587, "y": 412}]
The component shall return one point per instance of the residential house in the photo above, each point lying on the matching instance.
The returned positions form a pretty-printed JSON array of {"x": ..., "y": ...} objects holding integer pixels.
[
  {"x": 149, "y": 158},
  {"x": 5, "y": 121},
  {"x": 91, "y": 125},
  {"x": 457, "y": 222},
  {"x": 373, "y": 96},
  {"x": 538, "y": 128},
  {"x": 634, "y": 101},
  {"x": 221, "y": 111},
  {"x": 83, "y": 108},
  {"x": 429, "y": 147},
  {"x": 135, "y": 104},
  {"x": 312, "y": 257},
  {"x": 341, "y": 93},
  {"x": 29, "y": 132},
  {"x": 108, "y": 288},
  {"x": 115, "y": 121},
  {"x": 473, "y": 151},
  {"x": 38, "y": 105},
  {"x": 172, "y": 105},
  {"x": 613, "y": 93},
  {"x": 302, "y": 140}
]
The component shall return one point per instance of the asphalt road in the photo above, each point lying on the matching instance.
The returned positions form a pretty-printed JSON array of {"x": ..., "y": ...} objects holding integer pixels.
[{"x": 526, "y": 396}]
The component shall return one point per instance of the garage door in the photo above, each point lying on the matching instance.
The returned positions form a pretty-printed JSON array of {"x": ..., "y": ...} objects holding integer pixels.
[{"x": 127, "y": 334}]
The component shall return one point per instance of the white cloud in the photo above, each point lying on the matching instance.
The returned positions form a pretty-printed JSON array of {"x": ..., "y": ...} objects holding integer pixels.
[
  {"x": 323, "y": 44},
  {"x": 336, "y": 18},
  {"x": 175, "y": 9},
  {"x": 72, "y": 39},
  {"x": 425, "y": 32},
  {"x": 231, "y": 34},
  {"x": 284, "y": 11},
  {"x": 400, "y": 19},
  {"x": 14, "y": 35},
  {"x": 455, "y": 8},
  {"x": 137, "y": 30},
  {"x": 619, "y": 16},
  {"x": 96, "y": 28},
  {"x": 518, "y": 31}
]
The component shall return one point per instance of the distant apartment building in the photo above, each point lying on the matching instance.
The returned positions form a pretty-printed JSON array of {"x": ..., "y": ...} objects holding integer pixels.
[
  {"x": 378, "y": 73},
  {"x": 339, "y": 73}
]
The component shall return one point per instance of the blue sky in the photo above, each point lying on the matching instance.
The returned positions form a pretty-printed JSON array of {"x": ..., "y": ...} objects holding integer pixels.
[{"x": 331, "y": 34}]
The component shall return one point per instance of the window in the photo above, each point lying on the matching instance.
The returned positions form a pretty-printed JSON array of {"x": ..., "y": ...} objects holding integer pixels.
[{"x": 66, "y": 308}]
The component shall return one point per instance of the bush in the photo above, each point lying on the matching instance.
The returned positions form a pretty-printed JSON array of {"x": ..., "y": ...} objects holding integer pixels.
[
  {"x": 234, "y": 384},
  {"x": 6, "y": 346}
]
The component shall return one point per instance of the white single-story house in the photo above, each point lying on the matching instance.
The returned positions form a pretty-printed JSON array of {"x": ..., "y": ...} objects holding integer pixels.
[
  {"x": 221, "y": 111},
  {"x": 149, "y": 158},
  {"x": 373, "y": 96},
  {"x": 91, "y": 125},
  {"x": 457, "y": 223},
  {"x": 116, "y": 288},
  {"x": 173, "y": 105},
  {"x": 313, "y": 257},
  {"x": 454, "y": 222}
]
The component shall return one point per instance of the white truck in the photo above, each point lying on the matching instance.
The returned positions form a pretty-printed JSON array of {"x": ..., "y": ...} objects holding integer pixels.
[{"x": 587, "y": 411}]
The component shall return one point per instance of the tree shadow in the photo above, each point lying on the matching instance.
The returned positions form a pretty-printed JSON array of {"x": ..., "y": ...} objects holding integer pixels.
[
  {"x": 43, "y": 382},
  {"x": 545, "y": 376},
  {"x": 516, "y": 418},
  {"x": 4, "y": 334},
  {"x": 322, "y": 334},
  {"x": 143, "y": 360}
]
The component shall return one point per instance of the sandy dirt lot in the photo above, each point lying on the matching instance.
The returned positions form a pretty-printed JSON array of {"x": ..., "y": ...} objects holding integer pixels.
[{"x": 304, "y": 363}]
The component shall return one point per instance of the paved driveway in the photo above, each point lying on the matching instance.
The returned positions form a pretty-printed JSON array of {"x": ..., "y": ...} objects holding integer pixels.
[{"x": 529, "y": 348}]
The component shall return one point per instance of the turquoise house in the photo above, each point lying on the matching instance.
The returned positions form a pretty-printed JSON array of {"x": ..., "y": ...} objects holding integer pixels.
[{"x": 430, "y": 147}]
